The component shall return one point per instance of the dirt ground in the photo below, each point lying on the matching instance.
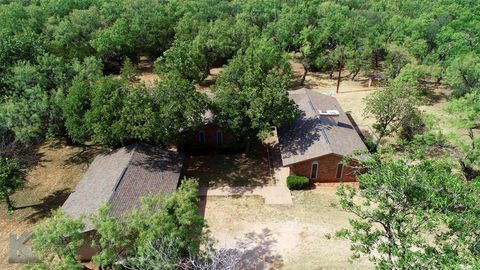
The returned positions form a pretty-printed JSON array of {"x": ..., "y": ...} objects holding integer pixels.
[
  {"x": 49, "y": 183},
  {"x": 217, "y": 170},
  {"x": 283, "y": 236}
]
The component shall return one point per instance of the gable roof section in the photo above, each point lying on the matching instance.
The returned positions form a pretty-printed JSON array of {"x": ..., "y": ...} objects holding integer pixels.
[
  {"x": 122, "y": 177},
  {"x": 312, "y": 135}
]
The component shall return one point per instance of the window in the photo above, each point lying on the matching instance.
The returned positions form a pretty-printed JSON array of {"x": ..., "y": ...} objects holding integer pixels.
[
  {"x": 339, "y": 170},
  {"x": 313, "y": 174},
  {"x": 219, "y": 137},
  {"x": 201, "y": 137}
]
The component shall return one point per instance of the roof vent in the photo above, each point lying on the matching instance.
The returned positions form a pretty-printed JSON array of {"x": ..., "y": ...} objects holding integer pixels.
[{"x": 329, "y": 113}]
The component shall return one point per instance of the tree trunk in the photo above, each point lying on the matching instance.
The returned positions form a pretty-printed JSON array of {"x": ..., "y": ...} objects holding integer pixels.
[
  {"x": 339, "y": 75},
  {"x": 302, "y": 80},
  {"x": 340, "y": 66},
  {"x": 10, "y": 206},
  {"x": 331, "y": 72},
  {"x": 355, "y": 73}
]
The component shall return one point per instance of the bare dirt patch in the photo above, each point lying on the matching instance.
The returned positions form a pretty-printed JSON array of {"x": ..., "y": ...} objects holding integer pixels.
[
  {"x": 283, "y": 236},
  {"x": 49, "y": 183}
]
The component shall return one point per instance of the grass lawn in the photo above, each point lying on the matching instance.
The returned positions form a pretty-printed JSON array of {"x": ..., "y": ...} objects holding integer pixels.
[
  {"x": 283, "y": 236},
  {"x": 49, "y": 182},
  {"x": 217, "y": 170}
]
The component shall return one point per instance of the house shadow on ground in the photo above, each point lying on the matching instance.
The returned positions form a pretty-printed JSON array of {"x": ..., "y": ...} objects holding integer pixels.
[{"x": 47, "y": 204}]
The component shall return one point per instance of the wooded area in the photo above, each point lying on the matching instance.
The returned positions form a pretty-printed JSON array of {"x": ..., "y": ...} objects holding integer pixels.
[
  {"x": 57, "y": 58},
  {"x": 69, "y": 69}
]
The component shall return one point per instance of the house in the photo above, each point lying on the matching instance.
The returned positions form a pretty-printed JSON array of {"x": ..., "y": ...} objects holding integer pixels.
[
  {"x": 121, "y": 178},
  {"x": 210, "y": 135},
  {"x": 315, "y": 143}
]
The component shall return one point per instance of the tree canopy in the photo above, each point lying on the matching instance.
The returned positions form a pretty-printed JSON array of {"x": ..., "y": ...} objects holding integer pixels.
[
  {"x": 48, "y": 47},
  {"x": 412, "y": 214},
  {"x": 251, "y": 92}
]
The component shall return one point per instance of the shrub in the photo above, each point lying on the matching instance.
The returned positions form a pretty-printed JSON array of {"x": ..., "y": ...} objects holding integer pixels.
[{"x": 295, "y": 182}]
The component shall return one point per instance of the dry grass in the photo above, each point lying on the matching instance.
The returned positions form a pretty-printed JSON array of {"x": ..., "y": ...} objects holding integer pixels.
[
  {"x": 288, "y": 236},
  {"x": 49, "y": 183}
]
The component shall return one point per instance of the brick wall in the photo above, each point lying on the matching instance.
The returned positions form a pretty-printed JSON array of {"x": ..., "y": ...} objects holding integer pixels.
[
  {"x": 210, "y": 132},
  {"x": 327, "y": 169}
]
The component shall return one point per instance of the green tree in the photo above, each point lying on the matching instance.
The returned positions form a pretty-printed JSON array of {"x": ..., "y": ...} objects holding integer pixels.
[
  {"x": 76, "y": 103},
  {"x": 115, "y": 40},
  {"x": 410, "y": 214},
  {"x": 463, "y": 75},
  {"x": 467, "y": 117},
  {"x": 110, "y": 238},
  {"x": 26, "y": 114},
  {"x": 186, "y": 60},
  {"x": 129, "y": 71},
  {"x": 57, "y": 240},
  {"x": 71, "y": 35},
  {"x": 178, "y": 220},
  {"x": 11, "y": 179},
  {"x": 178, "y": 106},
  {"x": 251, "y": 92},
  {"x": 170, "y": 224},
  {"x": 392, "y": 108},
  {"x": 75, "y": 107},
  {"x": 88, "y": 70},
  {"x": 108, "y": 97}
]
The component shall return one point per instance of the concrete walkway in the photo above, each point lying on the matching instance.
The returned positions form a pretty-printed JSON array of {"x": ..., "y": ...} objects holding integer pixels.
[{"x": 275, "y": 194}]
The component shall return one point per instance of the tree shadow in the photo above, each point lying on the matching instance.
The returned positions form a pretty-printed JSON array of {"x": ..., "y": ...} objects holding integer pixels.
[
  {"x": 435, "y": 92},
  {"x": 257, "y": 252},
  {"x": 48, "y": 203},
  {"x": 29, "y": 156},
  {"x": 85, "y": 156},
  {"x": 301, "y": 134}
]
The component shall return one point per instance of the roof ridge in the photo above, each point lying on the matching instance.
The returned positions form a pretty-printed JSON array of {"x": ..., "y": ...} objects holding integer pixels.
[
  {"x": 120, "y": 176},
  {"x": 317, "y": 115}
]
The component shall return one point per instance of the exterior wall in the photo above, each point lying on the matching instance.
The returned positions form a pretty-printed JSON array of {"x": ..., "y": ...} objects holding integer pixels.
[
  {"x": 327, "y": 169},
  {"x": 210, "y": 131}
]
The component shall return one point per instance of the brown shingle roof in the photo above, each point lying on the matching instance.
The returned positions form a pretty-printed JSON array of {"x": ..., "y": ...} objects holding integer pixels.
[
  {"x": 312, "y": 135},
  {"x": 122, "y": 177}
]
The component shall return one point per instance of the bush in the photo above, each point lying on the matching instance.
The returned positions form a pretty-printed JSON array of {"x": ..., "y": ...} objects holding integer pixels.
[{"x": 295, "y": 182}]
